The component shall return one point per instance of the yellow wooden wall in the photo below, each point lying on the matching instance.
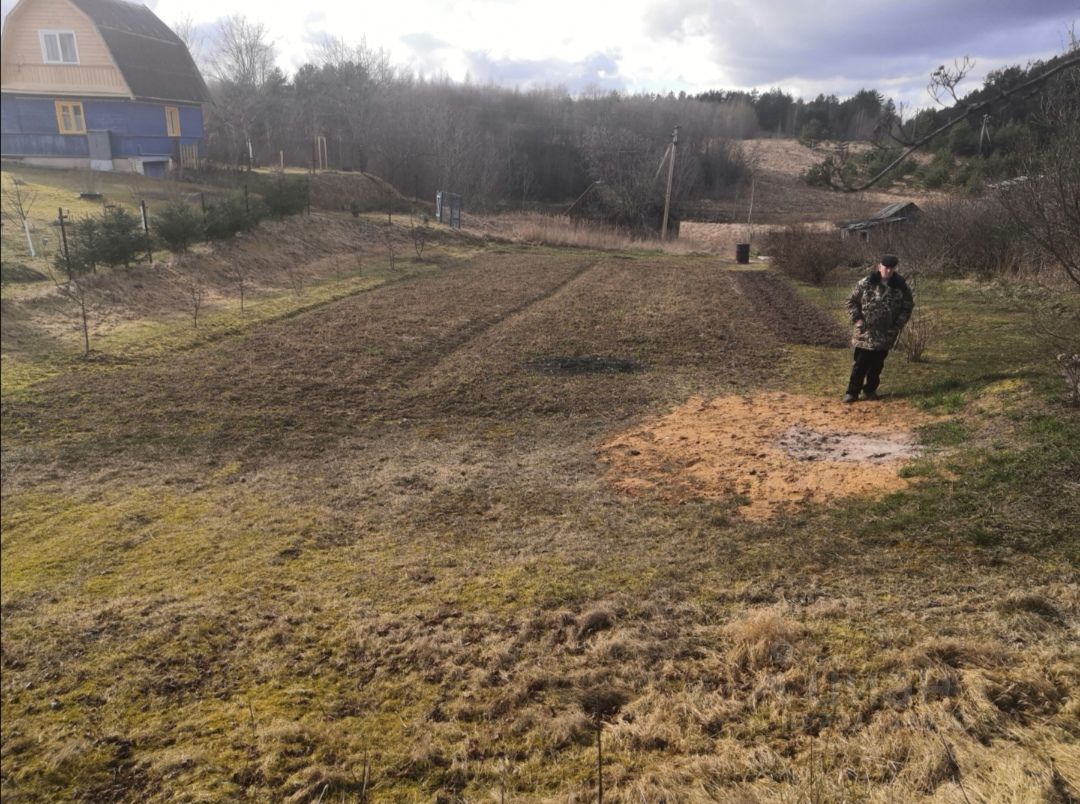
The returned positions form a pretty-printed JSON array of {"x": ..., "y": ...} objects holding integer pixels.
[{"x": 24, "y": 68}]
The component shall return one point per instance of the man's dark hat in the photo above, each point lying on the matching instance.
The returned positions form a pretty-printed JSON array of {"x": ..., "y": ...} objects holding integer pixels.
[{"x": 890, "y": 260}]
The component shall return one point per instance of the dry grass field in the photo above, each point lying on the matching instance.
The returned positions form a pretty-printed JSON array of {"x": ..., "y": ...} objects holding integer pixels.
[{"x": 403, "y": 537}]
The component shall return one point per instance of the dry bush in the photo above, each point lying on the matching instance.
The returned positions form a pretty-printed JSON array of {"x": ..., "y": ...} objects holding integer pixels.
[
  {"x": 807, "y": 255},
  {"x": 1069, "y": 366},
  {"x": 917, "y": 336},
  {"x": 958, "y": 237}
]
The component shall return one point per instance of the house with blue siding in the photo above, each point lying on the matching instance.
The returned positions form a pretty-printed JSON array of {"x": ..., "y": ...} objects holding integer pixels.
[{"x": 99, "y": 84}]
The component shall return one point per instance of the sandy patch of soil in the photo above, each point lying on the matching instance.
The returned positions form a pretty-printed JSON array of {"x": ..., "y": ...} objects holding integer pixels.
[{"x": 775, "y": 450}]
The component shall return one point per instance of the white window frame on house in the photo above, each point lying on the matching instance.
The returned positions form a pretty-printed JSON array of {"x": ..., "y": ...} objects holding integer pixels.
[{"x": 43, "y": 36}]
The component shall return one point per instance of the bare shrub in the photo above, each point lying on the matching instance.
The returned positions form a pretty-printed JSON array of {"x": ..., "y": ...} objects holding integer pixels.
[
  {"x": 805, "y": 254},
  {"x": 1043, "y": 201},
  {"x": 420, "y": 234},
  {"x": 917, "y": 336},
  {"x": 1058, "y": 327},
  {"x": 195, "y": 294},
  {"x": 961, "y": 237},
  {"x": 1069, "y": 365}
]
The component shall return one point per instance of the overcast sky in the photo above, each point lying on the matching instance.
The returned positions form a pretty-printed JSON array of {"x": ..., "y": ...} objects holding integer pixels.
[{"x": 831, "y": 46}]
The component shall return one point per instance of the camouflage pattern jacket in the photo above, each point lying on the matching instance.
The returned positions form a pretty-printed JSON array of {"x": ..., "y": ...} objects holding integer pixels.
[{"x": 884, "y": 309}]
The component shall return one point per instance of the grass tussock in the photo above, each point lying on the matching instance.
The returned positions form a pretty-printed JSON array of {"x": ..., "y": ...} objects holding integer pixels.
[{"x": 763, "y": 639}]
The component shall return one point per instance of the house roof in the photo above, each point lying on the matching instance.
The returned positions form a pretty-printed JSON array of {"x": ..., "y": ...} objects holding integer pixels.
[
  {"x": 154, "y": 61},
  {"x": 891, "y": 211}
]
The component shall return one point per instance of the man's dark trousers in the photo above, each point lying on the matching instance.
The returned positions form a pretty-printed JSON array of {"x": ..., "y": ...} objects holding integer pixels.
[{"x": 867, "y": 368}]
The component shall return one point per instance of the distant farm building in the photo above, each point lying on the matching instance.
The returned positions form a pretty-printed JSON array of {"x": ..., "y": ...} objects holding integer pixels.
[
  {"x": 893, "y": 215},
  {"x": 100, "y": 84}
]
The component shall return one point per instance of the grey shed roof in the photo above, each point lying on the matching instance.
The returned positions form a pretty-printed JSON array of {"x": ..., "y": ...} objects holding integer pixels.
[
  {"x": 154, "y": 61},
  {"x": 893, "y": 210}
]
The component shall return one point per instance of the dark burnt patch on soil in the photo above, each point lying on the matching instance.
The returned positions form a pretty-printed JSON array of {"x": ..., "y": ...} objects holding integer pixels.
[
  {"x": 790, "y": 318},
  {"x": 584, "y": 364}
]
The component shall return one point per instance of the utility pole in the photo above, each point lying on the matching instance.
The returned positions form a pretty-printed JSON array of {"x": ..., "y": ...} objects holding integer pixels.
[{"x": 670, "y": 175}]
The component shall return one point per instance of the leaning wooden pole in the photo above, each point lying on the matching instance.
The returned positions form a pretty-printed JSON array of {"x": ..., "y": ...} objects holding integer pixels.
[
  {"x": 670, "y": 176},
  {"x": 599, "y": 763}
]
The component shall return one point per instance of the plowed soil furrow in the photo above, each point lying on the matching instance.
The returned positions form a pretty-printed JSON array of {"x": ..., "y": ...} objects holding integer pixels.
[
  {"x": 457, "y": 346},
  {"x": 316, "y": 374},
  {"x": 785, "y": 314},
  {"x": 684, "y": 322}
]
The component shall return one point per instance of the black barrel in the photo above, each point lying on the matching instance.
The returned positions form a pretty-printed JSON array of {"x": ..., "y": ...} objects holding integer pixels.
[{"x": 742, "y": 253}]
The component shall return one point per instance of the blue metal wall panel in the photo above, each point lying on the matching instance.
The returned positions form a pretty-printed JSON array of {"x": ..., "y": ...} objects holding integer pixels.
[
  {"x": 44, "y": 145},
  {"x": 30, "y": 115},
  {"x": 9, "y": 115},
  {"x": 138, "y": 128},
  {"x": 191, "y": 122},
  {"x": 125, "y": 118}
]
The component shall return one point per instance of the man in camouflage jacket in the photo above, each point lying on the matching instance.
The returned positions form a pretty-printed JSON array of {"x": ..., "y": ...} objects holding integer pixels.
[{"x": 879, "y": 306}]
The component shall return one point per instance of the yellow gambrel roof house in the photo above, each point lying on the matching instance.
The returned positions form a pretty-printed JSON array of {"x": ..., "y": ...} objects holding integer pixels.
[{"x": 98, "y": 83}]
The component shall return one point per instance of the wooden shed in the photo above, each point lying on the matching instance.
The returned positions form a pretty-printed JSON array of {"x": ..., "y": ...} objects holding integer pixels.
[{"x": 894, "y": 214}]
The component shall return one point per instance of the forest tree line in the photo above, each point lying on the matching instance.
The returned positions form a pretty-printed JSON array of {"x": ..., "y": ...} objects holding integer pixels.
[{"x": 500, "y": 146}]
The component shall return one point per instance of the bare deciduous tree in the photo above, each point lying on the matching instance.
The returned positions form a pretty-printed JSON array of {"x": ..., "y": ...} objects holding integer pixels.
[
  {"x": 242, "y": 65},
  {"x": 295, "y": 277},
  {"x": 17, "y": 206},
  {"x": 1045, "y": 201},
  {"x": 420, "y": 232},
  {"x": 390, "y": 244},
  {"x": 74, "y": 287},
  {"x": 193, "y": 38},
  {"x": 243, "y": 53},
  {"x": 194, "y": 291},
  {"x": 239, "y": 274}
]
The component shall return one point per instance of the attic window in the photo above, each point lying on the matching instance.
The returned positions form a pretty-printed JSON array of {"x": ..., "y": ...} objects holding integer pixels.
[{"x": 58, "y": 47}]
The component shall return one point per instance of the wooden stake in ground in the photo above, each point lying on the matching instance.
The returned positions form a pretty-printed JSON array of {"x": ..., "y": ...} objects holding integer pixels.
[{"x": 601, "y": 704}]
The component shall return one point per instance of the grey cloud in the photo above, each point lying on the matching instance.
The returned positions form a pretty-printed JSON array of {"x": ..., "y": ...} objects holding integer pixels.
[
  {"x": 428, "y": 52},
  {"x": 675, "y": 19},
  {"x": 423, "y": 42},
  {"x": 771, "y": 41},
  {"x": 597, "y": 70}
]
